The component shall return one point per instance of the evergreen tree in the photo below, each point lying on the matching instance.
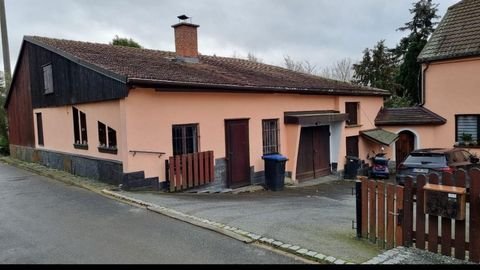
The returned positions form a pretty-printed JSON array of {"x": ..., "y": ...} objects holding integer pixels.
[
  {"x": 377, "y": 69},
  {"x": 420, "y": 28},
  {"x": 127, "y": 42}
]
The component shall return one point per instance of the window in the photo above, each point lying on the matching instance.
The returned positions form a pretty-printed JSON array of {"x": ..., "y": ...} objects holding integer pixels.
[
  {"x": 271, "y": 140},
  {"x": 107, "y": 144},
  {"x": 48, "y": 79},
  {"x": 185, "y": 139},
  {"x": 102, "y": 135},
  {"x": 39, "y": 129},
  {"x": 467, "y": 127},
  {"x": 80, "y": 129},
  {"x": 351, "y": 108}
]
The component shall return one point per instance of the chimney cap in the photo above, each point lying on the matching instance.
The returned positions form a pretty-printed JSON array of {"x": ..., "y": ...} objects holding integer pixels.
[{"x": 183, "y": 17}]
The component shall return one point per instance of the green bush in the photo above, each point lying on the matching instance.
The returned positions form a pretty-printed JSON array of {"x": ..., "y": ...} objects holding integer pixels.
[{"x": 4, "y": 149}]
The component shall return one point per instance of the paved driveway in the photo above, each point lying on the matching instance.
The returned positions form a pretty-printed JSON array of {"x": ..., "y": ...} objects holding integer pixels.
[
  {"x": 317, "y": 217},
  {"x": 47, "y": 222}
]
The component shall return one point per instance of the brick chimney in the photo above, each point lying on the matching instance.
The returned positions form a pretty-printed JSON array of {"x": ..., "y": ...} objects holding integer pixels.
[{"x": 186, "y": 45}]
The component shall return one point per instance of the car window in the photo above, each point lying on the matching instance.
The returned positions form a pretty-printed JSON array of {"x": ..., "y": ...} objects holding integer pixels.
[{"x": 425, "y": 159}]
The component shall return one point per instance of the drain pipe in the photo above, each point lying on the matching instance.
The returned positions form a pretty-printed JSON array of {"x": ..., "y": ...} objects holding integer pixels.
[{"x": 424, "y": 71}]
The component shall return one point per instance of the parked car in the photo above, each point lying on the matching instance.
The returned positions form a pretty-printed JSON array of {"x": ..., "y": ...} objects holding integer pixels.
[{"x": 435, "y": 160}]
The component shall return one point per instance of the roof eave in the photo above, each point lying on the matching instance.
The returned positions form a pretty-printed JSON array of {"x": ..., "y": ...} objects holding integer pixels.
[
  {"x": 407, "y": 123},
  {"x": 448, "y": 57},
  {"x": 179, "y": 86}
]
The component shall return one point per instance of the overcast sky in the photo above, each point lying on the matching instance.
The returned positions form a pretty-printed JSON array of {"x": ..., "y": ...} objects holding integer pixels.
[{"x": 320, "y": 31}]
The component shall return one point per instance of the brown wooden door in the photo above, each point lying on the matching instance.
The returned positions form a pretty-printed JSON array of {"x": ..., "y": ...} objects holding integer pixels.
[
  {"x": 237, "y": 153},
  {"x": 404, "y": 145},
  {"x": 314, "y": 153}
]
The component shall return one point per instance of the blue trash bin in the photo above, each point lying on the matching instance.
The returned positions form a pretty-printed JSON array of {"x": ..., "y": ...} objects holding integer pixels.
[{"x": 275, "y": 171}]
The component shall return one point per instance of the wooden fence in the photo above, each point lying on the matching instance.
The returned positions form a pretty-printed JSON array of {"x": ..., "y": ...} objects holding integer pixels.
[
  {"x": 190, "y": 171},
  {"x": 393, "y": 215}
]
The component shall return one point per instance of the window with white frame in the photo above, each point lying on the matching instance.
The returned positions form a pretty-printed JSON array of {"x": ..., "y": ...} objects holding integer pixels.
[{"x": 467, "y": 128}]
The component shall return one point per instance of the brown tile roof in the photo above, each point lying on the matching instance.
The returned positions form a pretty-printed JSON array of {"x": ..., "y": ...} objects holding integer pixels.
[
  {"x": 408, "y": 116},
  {"x": 159, "y": 67},
  {"x": 457, "y": 35}
]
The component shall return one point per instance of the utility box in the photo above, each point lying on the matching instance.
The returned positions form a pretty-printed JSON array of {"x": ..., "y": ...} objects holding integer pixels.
[{"x": 445, "y": 201}]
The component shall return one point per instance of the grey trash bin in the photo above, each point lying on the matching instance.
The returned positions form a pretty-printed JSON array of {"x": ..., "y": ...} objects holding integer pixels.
[
  {"x": 351, "y": 167},
  {"x": 275, "y": 171}
]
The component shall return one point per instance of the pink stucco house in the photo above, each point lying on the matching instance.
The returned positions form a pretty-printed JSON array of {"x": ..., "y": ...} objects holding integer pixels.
[
  {"x": 450, "y": 83},
  {"x": 115, "y": 113}
]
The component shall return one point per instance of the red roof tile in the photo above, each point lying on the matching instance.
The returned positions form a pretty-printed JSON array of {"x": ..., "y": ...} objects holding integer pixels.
[
  {"x": 163, "y": 67},
  {"x": 408, "y": 116}
]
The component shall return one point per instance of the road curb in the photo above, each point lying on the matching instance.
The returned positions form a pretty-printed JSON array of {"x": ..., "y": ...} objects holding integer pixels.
[{"x": 236, "y": 233}]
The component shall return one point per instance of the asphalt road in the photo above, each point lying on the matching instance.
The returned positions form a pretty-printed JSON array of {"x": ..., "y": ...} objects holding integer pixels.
[{"x": 46, "y": 222}]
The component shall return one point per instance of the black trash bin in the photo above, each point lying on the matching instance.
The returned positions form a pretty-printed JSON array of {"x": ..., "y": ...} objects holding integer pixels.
[
  {"x": 351, "y": 167},
  {"x": 275, "y": 171}
]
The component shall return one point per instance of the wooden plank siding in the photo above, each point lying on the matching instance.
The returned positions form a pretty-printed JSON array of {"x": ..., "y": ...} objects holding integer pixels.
[
  {"x": 446, "y": 222},
  {"x": 420, "y": 217},
  {"x": 460, "y": 225},
  {"x": 191, "y": 171},
  {"x": 72, "y": 82},
  {"x": 405, "y": 206},
  {"x": 433, "y": 222},
  {"x": 390, "y": 215},
  {"x": 474, "y": 226},
  {"x": 20, "y": 111}
]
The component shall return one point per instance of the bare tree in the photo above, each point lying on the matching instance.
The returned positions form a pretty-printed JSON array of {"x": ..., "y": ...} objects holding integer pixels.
[
  {"x": 299, "y": 66},
  {"x": 341, "y": 70},
  {"x": 252, "y": 57}
]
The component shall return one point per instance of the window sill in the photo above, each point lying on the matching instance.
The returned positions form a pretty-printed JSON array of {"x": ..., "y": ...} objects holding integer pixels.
[
  {"x": 353, "y": 126},
  {"x": 107, "y": 150},
  {"x": 80, "y": 146}
]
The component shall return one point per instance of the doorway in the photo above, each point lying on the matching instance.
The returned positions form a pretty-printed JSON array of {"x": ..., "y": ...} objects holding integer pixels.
[
  {"x": 314, "y": 153},
  {"x": 404, "y": 146},
  {"x": 237, "y": 153}
]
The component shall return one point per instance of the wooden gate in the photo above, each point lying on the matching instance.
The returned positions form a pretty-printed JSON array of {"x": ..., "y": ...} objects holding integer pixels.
[
  {"x": 392, "y": 215},
  {"x": 190, "y": 171}
]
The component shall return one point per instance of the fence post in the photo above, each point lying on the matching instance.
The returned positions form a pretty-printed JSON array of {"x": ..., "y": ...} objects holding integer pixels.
[
  {"x": 460, "y": 224},
  {"x": 420, "y": 221},
  {"x": 474, "y": 252},
  {"x": 167, "y": 175},
  {"x": 372, "y": 190},
  {"x": 433, "y": 222},
  {"x": 390, "y": 215},
  {"x": 358, "y": 197},
  {"x": 408, "y": 212},
  {"x": 446, "y": 240},
  {"x": 399, "y": 237},
  {"x": 364, "y": 207},
  {"x": 381, "y": 214}
]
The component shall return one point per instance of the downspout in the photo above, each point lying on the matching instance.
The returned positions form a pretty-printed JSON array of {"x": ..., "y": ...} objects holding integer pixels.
[{"x": 424, "y": 71}]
